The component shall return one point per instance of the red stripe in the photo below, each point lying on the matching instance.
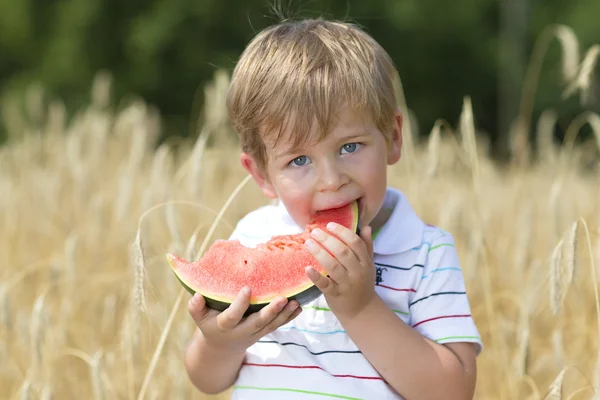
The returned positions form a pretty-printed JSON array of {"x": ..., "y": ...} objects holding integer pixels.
[
  {"x": 378, "y": 378},
  {"x": 442, "y": 317},
  {"x": 398, "y": 290}
]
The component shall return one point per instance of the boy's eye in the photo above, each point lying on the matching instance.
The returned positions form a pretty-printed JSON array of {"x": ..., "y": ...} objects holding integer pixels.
[
  {"x": 299, "y": 161},
  {"x": 350, "y": 147}
]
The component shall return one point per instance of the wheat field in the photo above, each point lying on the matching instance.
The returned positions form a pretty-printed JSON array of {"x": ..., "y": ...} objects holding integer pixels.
[{"x": 89, "y": 206}]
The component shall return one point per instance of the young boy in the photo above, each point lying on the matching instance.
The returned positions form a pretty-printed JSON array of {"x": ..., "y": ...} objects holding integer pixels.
[{"x": 314, "y": 104}]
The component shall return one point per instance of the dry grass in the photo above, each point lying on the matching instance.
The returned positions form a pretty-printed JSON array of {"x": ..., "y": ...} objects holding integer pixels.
[{"x": 90, "y": 309}]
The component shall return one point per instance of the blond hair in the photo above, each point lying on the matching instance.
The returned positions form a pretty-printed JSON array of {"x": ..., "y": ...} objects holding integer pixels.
[{"x": 296, "y": 73}]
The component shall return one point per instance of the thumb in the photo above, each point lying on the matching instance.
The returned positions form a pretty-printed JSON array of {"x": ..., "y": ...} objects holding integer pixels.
[
  {"x": 197, "y": 308},
  {"x": 366, "y": 236}
]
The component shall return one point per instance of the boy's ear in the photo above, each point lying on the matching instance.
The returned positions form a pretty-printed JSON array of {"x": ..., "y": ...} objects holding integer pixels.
[
  {"x": 395, "y": 144},
  {"x": 250, "y": 165}
]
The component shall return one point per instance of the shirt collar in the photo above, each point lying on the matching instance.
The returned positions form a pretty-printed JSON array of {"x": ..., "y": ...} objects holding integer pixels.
[{"x": 402, "y": 231}]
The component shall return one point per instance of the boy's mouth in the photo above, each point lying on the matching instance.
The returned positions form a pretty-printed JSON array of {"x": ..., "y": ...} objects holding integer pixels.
[{"x": 343, "y": 204}]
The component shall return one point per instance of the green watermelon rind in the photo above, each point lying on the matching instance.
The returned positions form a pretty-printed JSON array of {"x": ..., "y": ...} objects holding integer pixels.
[{"x": 221, "y": 304}]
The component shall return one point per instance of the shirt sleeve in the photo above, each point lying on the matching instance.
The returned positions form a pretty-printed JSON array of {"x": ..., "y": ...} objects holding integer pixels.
[{"x": 440, "y": 308}]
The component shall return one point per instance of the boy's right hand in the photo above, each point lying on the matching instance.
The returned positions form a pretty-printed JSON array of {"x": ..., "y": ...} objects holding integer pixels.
[{"x": 230, "y": 330}]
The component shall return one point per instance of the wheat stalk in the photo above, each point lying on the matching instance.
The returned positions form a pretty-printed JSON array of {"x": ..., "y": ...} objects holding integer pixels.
[
  {"x": 46, "y": 393},
  {"x": 71, "y": 260},
  {"x": 173, "y": 227},
  {"x": 570, "y": 60},
  {"x": 433, "y": 150},
  {"x": 545, "y": 135},
  {"x": 556, "y": 287},
  {"x": 574, "y": 128},
  {"x": 521, "y": 360},
  {"x": 36, "y": 332},
  {"x": 467, "y": 131},
  {"x": 189, "y": 251},
  {"x": 95, "y": 374},
  {"x": 557, "y": 346},
  {"x": 5, "y": 315},
  {"x": 101, "y": 88},
  {"x": 583, "y": 80},
  {"x": 555, "y": 390},
  {"x": 124, "y": 195},
  {"x": 90, "y": 361},
  {"x": 25, "y": 392}
]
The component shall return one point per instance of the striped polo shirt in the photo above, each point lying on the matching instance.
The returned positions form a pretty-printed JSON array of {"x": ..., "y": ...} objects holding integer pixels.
[{"x": 417, "y": 275}]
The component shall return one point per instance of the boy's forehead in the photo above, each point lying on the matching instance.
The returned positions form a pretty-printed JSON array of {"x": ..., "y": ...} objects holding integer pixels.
[{"x": 291, "y": 135}]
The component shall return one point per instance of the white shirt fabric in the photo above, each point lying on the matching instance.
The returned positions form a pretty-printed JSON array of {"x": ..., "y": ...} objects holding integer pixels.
[{"x": 419, "y": 277}]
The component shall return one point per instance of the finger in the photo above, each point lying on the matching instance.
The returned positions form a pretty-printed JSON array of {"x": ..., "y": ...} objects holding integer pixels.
[
  {"x": 260, "y": 319},
  {"x": 282, "y": 318},
  {"x": 197, "y": 308},
  {"x": 231, "y": 317},
  {"x": 334, "y": 268},
  {"x": 296, "y": 312},
  {"x": 323, "y": 283},
  {"x": 351, "y": 240},
  {"x": 366, "y": 235}
]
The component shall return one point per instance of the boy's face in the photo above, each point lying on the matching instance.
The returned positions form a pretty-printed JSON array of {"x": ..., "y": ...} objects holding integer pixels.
[{"x": 349, "y": 164}]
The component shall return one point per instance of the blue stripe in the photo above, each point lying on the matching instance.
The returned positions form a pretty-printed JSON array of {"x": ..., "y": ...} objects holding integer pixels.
[
  {"x": 440, "y": 269},
  {"x": 421, "y": 245},
  {"x": 309, "y": 331}
]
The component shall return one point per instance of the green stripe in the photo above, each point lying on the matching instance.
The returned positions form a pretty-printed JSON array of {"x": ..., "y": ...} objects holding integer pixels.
[
  {"x": 327, "y": 309},
  {"x": 337, "y": 396},
  {"x": 317, "y": 308},
  {"x": 441, "y": 245},
  {"x": 458, "y": 337}
]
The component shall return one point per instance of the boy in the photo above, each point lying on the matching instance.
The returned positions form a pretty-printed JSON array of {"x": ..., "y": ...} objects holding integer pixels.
[{"x": 314, "y": 104}]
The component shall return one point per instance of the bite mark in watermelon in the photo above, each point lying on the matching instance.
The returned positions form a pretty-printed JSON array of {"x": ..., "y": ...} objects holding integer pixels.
[{"x": 275, "y": 268}]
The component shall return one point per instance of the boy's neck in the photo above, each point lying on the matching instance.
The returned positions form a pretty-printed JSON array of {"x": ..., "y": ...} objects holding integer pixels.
[{"x": 380, "y": 219}]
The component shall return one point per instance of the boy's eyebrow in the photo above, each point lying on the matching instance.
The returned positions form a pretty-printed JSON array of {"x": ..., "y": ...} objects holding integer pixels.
[{"x": 296, "y": 149}]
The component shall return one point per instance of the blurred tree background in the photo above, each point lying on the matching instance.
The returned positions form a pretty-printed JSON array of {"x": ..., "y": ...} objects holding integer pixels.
[{"x": 164, "y": 51}]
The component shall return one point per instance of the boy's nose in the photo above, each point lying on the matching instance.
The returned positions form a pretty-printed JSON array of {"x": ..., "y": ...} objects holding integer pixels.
[{"x": 331, "y": 178}]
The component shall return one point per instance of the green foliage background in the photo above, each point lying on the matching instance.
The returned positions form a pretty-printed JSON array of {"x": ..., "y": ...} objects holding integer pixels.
[{"x": 165, "y": 50}]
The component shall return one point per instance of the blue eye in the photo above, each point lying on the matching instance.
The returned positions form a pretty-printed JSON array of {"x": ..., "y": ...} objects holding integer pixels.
[
  {"x": 299, "y": 161},
  {"x": 350, "y": 147}
]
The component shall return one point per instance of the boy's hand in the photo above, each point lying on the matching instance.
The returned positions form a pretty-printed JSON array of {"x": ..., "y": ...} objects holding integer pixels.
[
  {"x": 230, "y": 330},
  {"x": 348, "y": 259}
]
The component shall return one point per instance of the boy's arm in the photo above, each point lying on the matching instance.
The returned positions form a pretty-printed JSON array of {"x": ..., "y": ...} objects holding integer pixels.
[
  {"x": 410, "y": 358},
  {"x": 211, "y": 370},
  {"x": 215, "y": 354},
  {"x": 416, "y": 367}
]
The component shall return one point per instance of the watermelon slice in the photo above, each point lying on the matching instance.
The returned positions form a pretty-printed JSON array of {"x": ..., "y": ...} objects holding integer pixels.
[{"x": 270, "y": 269}]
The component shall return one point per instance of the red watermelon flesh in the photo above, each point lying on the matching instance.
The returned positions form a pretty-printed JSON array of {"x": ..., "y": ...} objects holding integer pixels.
[{"x": 274, "y": 268}]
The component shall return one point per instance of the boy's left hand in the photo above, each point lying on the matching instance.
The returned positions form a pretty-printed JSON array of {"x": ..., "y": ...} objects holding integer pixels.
[{"x": 348, "y": 259}]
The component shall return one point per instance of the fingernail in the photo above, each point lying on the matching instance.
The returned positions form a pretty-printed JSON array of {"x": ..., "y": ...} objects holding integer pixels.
[
  {"x": 246, "y": 291},
  {"x": 310, "y": 243},
  {"x": 194, "y": 300},
  {"x": 331, "y": 226}
]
